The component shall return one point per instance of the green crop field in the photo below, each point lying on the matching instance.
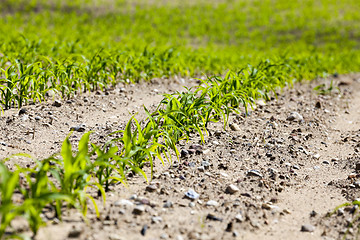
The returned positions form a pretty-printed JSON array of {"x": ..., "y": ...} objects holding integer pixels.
[
  {"x": 80, "y": 45},
  {"x": 247, "y": 50}
]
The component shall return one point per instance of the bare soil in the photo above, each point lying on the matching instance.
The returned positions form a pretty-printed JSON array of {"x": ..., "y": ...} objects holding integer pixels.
[{"x": 289, "y": 173}]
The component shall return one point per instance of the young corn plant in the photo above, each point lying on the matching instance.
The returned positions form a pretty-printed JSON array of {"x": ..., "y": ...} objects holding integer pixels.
[
  {"x": 38, "y": 192},
  {"x": 7, "y": 86},
  {"x": 162, "y": 133},
  {"x": 322, "y": 89},
  {"x": 74, "y": 174},
  {"x": 182, "y": 113},
  {"x": 138, "y": 148},
  {"x": 108, "y": 166},
  {"x": 9, "y": 183}
]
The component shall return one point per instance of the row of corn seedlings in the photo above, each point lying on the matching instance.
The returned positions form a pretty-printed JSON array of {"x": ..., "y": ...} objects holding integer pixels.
[
  {"x": 28, "y": 192},
  {"x": 25, "y": 80},
  {"x": 177, "y": 117},
  {"x": 21, "y": 83}
]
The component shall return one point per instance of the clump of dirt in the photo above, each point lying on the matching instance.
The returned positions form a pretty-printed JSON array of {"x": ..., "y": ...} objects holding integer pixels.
[{"x": 276, "y": 172}]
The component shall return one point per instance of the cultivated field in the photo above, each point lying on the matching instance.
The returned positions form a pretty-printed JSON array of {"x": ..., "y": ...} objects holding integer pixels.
[{"x": 179, "y": 119}]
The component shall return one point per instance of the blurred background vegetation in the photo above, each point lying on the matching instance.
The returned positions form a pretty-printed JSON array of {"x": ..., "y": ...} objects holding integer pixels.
[{"x": 147, "y": 39}]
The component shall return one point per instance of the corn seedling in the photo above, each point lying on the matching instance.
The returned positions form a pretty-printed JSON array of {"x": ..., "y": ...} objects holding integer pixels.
[
  {"x": 74, "y": 174},
  {"x": 39, "y": 191},
  {"x": 9, "y": 183}
]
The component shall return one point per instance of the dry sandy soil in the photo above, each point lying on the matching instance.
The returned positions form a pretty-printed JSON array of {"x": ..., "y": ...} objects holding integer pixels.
[{"x": 273, "y": 175}]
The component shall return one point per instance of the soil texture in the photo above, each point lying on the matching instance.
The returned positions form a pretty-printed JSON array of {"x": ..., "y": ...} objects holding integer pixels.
[{"x": 277, "y": 172}]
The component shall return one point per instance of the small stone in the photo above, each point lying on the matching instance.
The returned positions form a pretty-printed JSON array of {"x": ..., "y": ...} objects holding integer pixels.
[
  {"x": 205, "y": 164},
  {"x": 166, "y": 174},
  {"x": 193, "y": 235},
  {"x": 179, "y": 237},
  {"x": 197, "y": 147},
  {"x": 239, "y": 218},
  {"x": 316, "y": 156},
  {"x": 123, "y": 203},
  {"x": 114, "y": 236},
  {"x": 318, "y": 105},
  {"x": 295, "y": 117},
  {"x": 213, "y": 217},
  {"x": 212, "y": 203},
  {"x": 22, "y": 111},
  {"x": 326, "y": 162},
  {"x": 107, "y": 223},
  {"x": 143, "y": 230},
  {"x": 163, "y": 191},
  {"x": 191, "y": 151},
  {"x": 57, "y": 103},
  {"x": 37, "y": 118},
  {"x": 191, "y": 164},
  {"x": 201, "y": 169},
  {"x": 80, "y": 128},
  {"x": 357, "y": 167},
  {"x": 206, "y": 151},
  {"x": 144, "y": 201},
  {"x": 286, "y": 211},
  {"x": 255, "y": 173},
  {"x": 164, "y": 236},
  {"x": 340, "y": 212},
  {"x": 266, "y": 206},
  {"x": 313, "y": 213},
  {"x": 191, "y": 194},
  {"x": 296, "y": 167},
  {"x": 235, "y": 127},
  {"x": 192, "y": 204},
  {"x": 138, "y": 210},
  {"x": 3, "y": 143},
  {"x": 75, "y": 232},
  {"x": 351, "y": 176},
  {"x": 151, "y": 188},
  {"x": 231, "y": 189},
  {"x": 224, "y": 175},
  {"x": 229, "y": 227},
  {"x": 168, "y": 204},
  {"x": 156, "y": 219},
  {"x": 184, "y": 153},
  {"x": 246, "y": 194},
  {"x": 307, "y": 228},
  {"x": 133, "y": 197}
]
